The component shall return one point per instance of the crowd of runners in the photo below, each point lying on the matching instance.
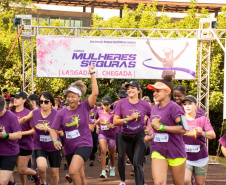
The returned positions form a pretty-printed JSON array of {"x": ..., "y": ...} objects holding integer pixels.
[{"x": 37, "y": 128}]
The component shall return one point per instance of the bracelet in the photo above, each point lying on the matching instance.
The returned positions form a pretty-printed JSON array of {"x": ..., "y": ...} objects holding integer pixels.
[
  {"x": 55, "y": 141},
  {"x": 92, "y": 73},
  {"x": 125, "y": 120},
  {"x": 205, "y": 134},
  {"x": 162, "y": 128},
  {"x": 6, "y": 136}
]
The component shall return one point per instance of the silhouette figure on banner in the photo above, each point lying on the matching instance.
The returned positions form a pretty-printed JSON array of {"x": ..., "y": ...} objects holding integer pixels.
[{"x": 169, "y": 60}]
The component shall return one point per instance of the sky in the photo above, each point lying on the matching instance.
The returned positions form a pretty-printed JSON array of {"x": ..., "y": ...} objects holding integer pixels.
[{"x": 107, "y": 13}]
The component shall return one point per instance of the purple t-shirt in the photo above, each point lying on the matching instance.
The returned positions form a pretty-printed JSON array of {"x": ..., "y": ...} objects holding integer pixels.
[
  {"x": 169, "y": 145},
  {"x": 118, "y": 128},
  {"x": 42, "y": 139},
  {"x": 195, "y": 144},
  {"x": 222, "y": 140},
  {"x": 26, "y": 142},
  {"x": 125, "y": 109},
  {"x": 11, "y": 124},
  {"x": 75, "y": 125},
  {"x": 104, "y": 119}
]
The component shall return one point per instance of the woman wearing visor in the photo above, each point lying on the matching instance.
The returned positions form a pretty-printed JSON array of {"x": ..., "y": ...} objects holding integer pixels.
[
  {"x": 130, "y": 113},
  {"x": 195, "y": 142},
  {"x": 74, "y": 121},
  {"x": 167, "y": 147}
]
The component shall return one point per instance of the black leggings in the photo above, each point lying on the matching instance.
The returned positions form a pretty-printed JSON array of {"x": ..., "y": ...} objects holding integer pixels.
[
  {"x": 95, "y": 140},
  {"x": 136, "y": 151},
  {"x": 121, "y": 156}
]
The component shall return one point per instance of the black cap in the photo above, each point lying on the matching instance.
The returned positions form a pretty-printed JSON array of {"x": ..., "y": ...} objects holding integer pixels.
[
  {"x": 33, "y": 97},
  {"x": 2, "y": 103},
  {"x": 106, "y": 101},
  {"x": 190, "y": 98},
  {"x": 21, "y": 95},
  {"x": 133, "y": 83}
]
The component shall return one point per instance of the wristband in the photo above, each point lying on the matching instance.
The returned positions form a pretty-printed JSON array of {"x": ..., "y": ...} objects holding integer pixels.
[
  {"x": 162, "y": 128},
  {"x": 55, "y": 141},
  {"x": 125, "y": 120},
  {"x": 92, "y": 73},
  {"x": 205, "y": 134},
  {"x": 6, "y": 136}
]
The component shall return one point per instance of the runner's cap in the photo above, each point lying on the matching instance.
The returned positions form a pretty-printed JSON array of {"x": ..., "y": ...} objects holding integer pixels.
[
  {"x": 190, "y": 98},
  {"x": 134, "y": 84}
]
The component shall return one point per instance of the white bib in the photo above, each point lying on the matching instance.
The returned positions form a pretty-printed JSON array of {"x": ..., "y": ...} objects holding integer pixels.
[
  {"x": 45, "y": 138},
  {"x": 92, "y": 120},
  {"x": 72, "y": 134},
  {"x": 192, "y": 148},
  {"x": 104, "y": 127},
  {"x": 161, "y": 137}
]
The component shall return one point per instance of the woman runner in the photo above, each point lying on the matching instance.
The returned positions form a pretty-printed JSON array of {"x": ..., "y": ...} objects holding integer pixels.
[
  {"x": 41, "y": 120},
  {"x": 195, "y": 142},
  {"x": 22, "y": 107},
  {"x": 130, "y": 112},
  {"x": 167, "y": 147},
  {"x": 106, "y": 136},
  {"x": 73, "y": 120},
  {"x": 10, "y": 132}
]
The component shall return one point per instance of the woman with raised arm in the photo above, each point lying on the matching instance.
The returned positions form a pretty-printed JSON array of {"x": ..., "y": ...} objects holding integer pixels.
[
  {"x": 10, "y": 132},
  {"x": 74, "y": 120},
  {"x": 130, "y": 113},
  {"x": 195, "y": 142},
  {"x": 167, "y": 147},
  {"x": 22, "y": 107},
  {"x": 41, "y": 120}
]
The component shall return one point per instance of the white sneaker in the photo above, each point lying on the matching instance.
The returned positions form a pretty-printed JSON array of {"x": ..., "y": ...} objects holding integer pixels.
[
  {"x": 122, "y": 183},
  {"x": 112, "y": 171},
  {"x": 103, "y": 174}
]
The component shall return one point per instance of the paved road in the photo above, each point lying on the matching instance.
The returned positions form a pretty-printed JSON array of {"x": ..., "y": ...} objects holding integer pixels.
[{"x": 216, "y": 175}]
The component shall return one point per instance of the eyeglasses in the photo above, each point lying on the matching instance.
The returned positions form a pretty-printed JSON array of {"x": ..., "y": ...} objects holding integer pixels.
[{"x": 45, "y": 102}]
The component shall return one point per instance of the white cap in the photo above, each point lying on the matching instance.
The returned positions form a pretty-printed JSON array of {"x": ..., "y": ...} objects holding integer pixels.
[{"x": 74, "y": 90}]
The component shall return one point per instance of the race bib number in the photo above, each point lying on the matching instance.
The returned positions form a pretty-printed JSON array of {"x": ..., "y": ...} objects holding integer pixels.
[
  {"x": 72, "y": 134},
  {"x": 45, "y": 138},
  {"x": 104, "y": 127},
  {"x": 161, "y": 138},
  {"x": 192, "y": 148}
]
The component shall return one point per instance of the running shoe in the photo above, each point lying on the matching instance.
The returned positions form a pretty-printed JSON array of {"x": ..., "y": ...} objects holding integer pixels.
[
  {"x": 103, "y": 174},
  {"x": 122, "y": 183},
  {"x": 36, "y": 178},
  {"x": 107, "y": 168},
  {"x": 91, "y": 163},
  {"x": 132, "y": 173},
  {"x": 112, "y": 171},
  {"x": 68, "y": 178}
]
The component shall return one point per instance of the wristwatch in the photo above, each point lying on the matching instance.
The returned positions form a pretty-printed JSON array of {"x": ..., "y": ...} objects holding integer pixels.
[{"x": 125, "y": 120}]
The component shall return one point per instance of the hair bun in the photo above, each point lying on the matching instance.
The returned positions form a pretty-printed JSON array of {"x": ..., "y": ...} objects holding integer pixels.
[{"x": 168, "y": 78}]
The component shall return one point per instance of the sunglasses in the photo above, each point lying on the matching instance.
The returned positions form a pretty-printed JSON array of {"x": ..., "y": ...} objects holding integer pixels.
[{"x": 45, "y": 102}]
